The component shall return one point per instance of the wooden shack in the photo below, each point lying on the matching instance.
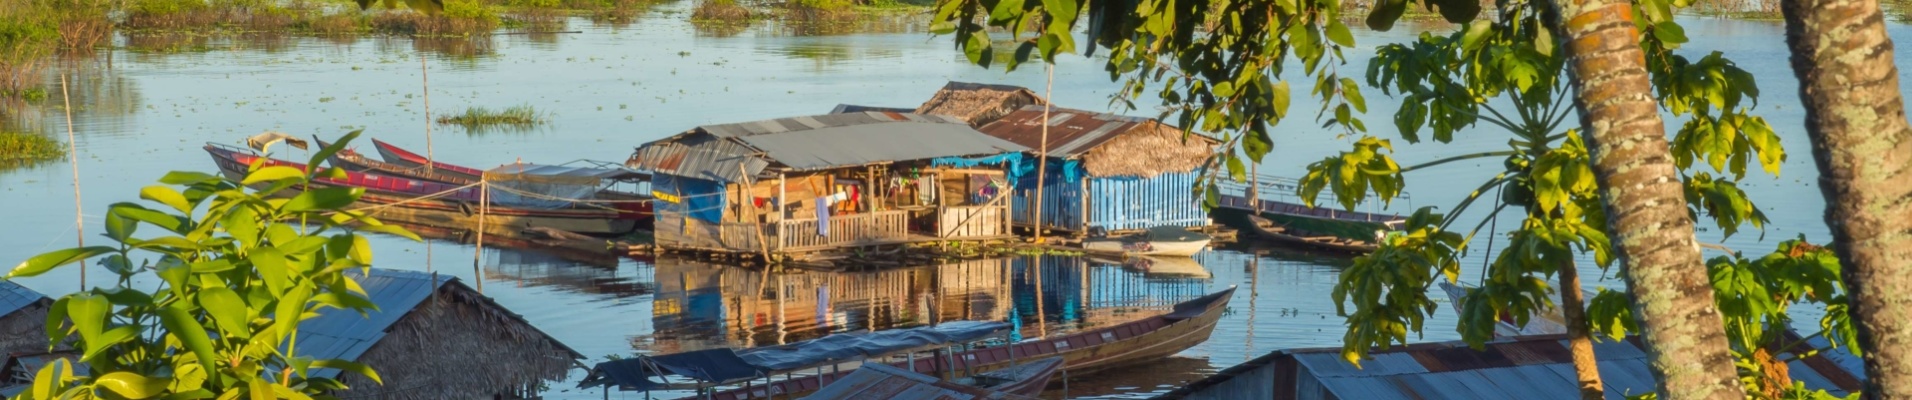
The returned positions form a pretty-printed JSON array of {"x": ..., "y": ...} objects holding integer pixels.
[
  {"x": 22, "y": 319},
  {"x": 814, "y": 183},
  {"x": 1106, "y": 172},
  {"x": 432, "y": 337}
]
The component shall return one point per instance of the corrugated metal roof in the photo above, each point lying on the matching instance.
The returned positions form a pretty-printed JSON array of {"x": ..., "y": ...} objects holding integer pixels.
[
  {"x": 882, "y": 382},
  {"x": 14, "y": 297},
  {"x": 853, "y": 108},
  {"x": 1528, "y": 367},
  {"x": 345, "y": 335},
  {"x": 1072, "y": 132},
  {"x": 713, "y": 152}
]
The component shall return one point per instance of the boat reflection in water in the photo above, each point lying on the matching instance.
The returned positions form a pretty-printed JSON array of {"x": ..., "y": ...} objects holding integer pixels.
[
  {"x": 702, "y": 305},
  {"x": 529, "y": 262}
]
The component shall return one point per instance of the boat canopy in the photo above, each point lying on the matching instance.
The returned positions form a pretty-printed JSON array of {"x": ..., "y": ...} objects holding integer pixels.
[
  {"x": 725, "y": 365},
  {"x": 551, "y": 186}
]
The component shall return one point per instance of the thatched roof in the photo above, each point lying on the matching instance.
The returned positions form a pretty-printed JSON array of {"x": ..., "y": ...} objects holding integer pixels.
[
  {"x": 1108, "y": 144},
  {"x": 978, "y": 103},
  {"x": 435, "y": 338},
  {"x": 1151, "y": 149}
]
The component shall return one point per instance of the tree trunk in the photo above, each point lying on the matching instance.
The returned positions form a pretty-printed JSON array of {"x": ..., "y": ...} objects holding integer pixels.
[
  {"x": 1573, "y": 313},
  {"x": 1645, "y": 204},
  {"x": 1862, "y": 144}
]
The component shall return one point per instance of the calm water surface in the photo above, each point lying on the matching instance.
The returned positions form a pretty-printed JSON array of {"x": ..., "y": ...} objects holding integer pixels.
[{"x": 146, "y": 107}]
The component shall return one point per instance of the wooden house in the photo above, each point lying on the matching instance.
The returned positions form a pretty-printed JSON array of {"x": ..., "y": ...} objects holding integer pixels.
[
  {"x": 432, "y": 337},
  {"x": 1106, "y": 172},
  {"x": 823, "y": 182}
]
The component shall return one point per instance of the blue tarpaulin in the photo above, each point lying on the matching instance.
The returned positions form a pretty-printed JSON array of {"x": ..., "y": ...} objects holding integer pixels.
[
  {"x": 696, "y": 198},
  {"x": 1017, "y": 166}
]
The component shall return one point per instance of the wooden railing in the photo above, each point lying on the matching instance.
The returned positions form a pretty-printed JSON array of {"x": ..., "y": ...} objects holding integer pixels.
[
  {"x": 972, "y": 221},
  {"x": 876, "y": 227}
]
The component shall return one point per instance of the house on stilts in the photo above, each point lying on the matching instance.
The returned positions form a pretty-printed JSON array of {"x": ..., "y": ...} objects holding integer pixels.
[
  {"x": 1106, "y": 173},
  {"x": 433, "y": 337},
  {"x": 815, "y": 183}
]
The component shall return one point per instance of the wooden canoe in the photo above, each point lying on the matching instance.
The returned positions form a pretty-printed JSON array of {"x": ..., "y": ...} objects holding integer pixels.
[
  {"x": 1026, "y": 380},
  {"x": 1083, "y": 353},
  {"x": 1277, "y": 233},
  {"x": 351, "y": 160},
  {"x": 401, "y": 157},
  {"x": 405, "y": 200},
  {"x": 1159, "y": 241}
]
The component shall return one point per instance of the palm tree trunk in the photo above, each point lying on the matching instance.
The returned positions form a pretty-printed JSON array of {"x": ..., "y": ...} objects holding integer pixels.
[
  {"x": 1862, "y": 144},
  {"x": 1573, "y": 313},
  {"x": 1646, "y": 207}
]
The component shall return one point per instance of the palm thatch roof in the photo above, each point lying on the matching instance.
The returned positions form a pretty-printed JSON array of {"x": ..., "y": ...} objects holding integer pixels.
[
  {"x": 978, "y": 103},
  {"x": 1149, "y": 149},
  {"x": 435, "y": 338}
]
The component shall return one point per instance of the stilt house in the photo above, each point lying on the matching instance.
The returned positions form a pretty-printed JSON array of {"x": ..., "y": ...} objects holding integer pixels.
[
  {"x": 434, "y": 338},
  {"x": 822, "y": 182},
  {"x": 1106, "y": 172}
]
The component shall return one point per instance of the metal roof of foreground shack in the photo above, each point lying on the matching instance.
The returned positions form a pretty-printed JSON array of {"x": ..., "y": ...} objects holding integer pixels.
[
  {"x": 345, "y": 335},
  {"x": 1527, "y": 367},
  {"x": 852, "y": 139},
  {"x": 14, "y": 297},
  {"x": 882, "y": 382}
]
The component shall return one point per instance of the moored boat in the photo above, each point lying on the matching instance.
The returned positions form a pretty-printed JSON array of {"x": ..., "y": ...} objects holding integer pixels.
[
  {"x": 1026, "y": 380},
  {"x": 877, "y": 381},
  {"x": 401, "y": 157},
  {"x": 351, "y": 160},
  {"x": 439, "y": 204},
  {"x": 1158, "y": 241},
  {"x": 1083, "y": 353},
  {"x": 1276, "y": 232}
]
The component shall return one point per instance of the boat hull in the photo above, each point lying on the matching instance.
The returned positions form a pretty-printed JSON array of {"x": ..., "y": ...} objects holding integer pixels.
[
  {"x": 1146, "y": 248},
  {"x": 1133, "y": 343},
  {"x": 449, "y": 211},
  {"x": 395, "y": 155}
]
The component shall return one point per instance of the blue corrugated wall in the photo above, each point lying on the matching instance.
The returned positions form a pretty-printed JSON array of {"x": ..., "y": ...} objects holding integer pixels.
[{"x": 1119, "y": 203}]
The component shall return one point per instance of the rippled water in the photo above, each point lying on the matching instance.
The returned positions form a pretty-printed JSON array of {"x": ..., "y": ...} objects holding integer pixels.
[{"x": 147, "y": 106}]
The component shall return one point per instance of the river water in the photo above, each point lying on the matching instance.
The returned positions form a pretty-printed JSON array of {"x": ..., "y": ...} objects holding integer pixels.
[{"x": 147, "y": 106}]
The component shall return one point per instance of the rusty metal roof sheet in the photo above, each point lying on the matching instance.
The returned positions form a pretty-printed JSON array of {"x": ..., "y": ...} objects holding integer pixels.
[
  {"x": 714, "y": 152},
  {"x": 1072, "y": 132}
]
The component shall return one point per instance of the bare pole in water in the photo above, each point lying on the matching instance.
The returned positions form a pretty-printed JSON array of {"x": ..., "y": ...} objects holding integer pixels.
[
  {"x": 424, "y": 76},
  {"x": 478, "y": 253},
  {"x": 1042, "y": 155},
  {"x": 73, "y": 155}
]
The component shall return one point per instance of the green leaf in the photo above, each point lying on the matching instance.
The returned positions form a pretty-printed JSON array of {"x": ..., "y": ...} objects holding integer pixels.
[
  {"x": 187, "y": 178},
  {"x": 227, "y": 309},
  {"x": 174, "y": 223},
  {"x": 324, "y": 199},
  {"x": 977, "y": 48},
  {"x": 1279, "y": 98},
  {"x": 88, "y": 313},
  {"x": 1458, "y": 11},
  {"x": 40, "y": 264},
  {"x": 167, "y": 196},
  {"x": 361, "y": 250},
  {"x": 1385, "y": 12},
  {"x": 1006, "y": 10},
  {"x": 337, "y": 145},
  {"x": 1669, "y": 32},
  {"x": 1476, "y": 34},
  {"x": 1063, "y": 12},
  {"x": 349, "y": 366},
  {"x": 1339, "y": 34},
  {"x": 180, "y": 324},
  {"x": 273, "y": 174},
  {"x": 270, "y": 263}
]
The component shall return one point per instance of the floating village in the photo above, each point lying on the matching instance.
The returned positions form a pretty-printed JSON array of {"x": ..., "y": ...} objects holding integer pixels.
[{"x": 938, "y": 212}]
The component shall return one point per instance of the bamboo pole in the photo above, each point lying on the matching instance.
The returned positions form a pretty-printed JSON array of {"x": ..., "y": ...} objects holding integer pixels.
[
  {"x": 424, "y": 75},
  {"x": 478, "y": 253},
  {"x": 73, "y": 155},
  {"x": 750, "y": 203},
  {"x": 1042, "y": 154}
]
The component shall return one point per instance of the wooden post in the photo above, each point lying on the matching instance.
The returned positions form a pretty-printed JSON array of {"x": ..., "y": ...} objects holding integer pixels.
[
  {"x": 478, "y": 253},
  {"x": 73, "y": 155},
  {"x": 1042, "y": 154},
  {"x": 750, "y": 203},
  {"x": 424, "y": 76}
]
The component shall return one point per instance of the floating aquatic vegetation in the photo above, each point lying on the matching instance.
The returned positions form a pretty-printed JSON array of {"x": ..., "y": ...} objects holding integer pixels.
[
  {"x": 25, "y": 149},
  {"x": 514, "y": 116}
]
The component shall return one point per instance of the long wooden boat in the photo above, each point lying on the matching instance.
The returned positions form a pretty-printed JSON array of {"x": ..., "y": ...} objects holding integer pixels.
[
  {"x": 1159, "y": 241},
  {"x": 1083, "y": 353},
  {"x": 1026, "y": 380},
  {"x": 411, "y": 201},
  {"x": 1281, "y": 234},
  {"x": 398, "y": 156},
  {"x": 351, "y": 160}
]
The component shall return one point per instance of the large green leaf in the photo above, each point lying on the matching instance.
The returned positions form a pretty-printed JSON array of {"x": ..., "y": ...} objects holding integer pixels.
[
  {"x": 271, "y": 265},
  {"x": 323, "y": 199},
  {"x": 40, "y": 264},
  {"x": 343, "y": 141},
  {"x": 273, "y": 174},
  {"x": 227, "y": 310},
  {"x": 167, "y": 196},
  {"x": 88, "y": 312},
  {"x": 349, "y": 366},
  {"x": 179, "y": 323}
]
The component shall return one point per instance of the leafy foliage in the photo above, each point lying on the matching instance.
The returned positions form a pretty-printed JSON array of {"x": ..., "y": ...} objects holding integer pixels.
[
  {"x": 238, "y": 269},
  {"x": 1755, "y": 295}
]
